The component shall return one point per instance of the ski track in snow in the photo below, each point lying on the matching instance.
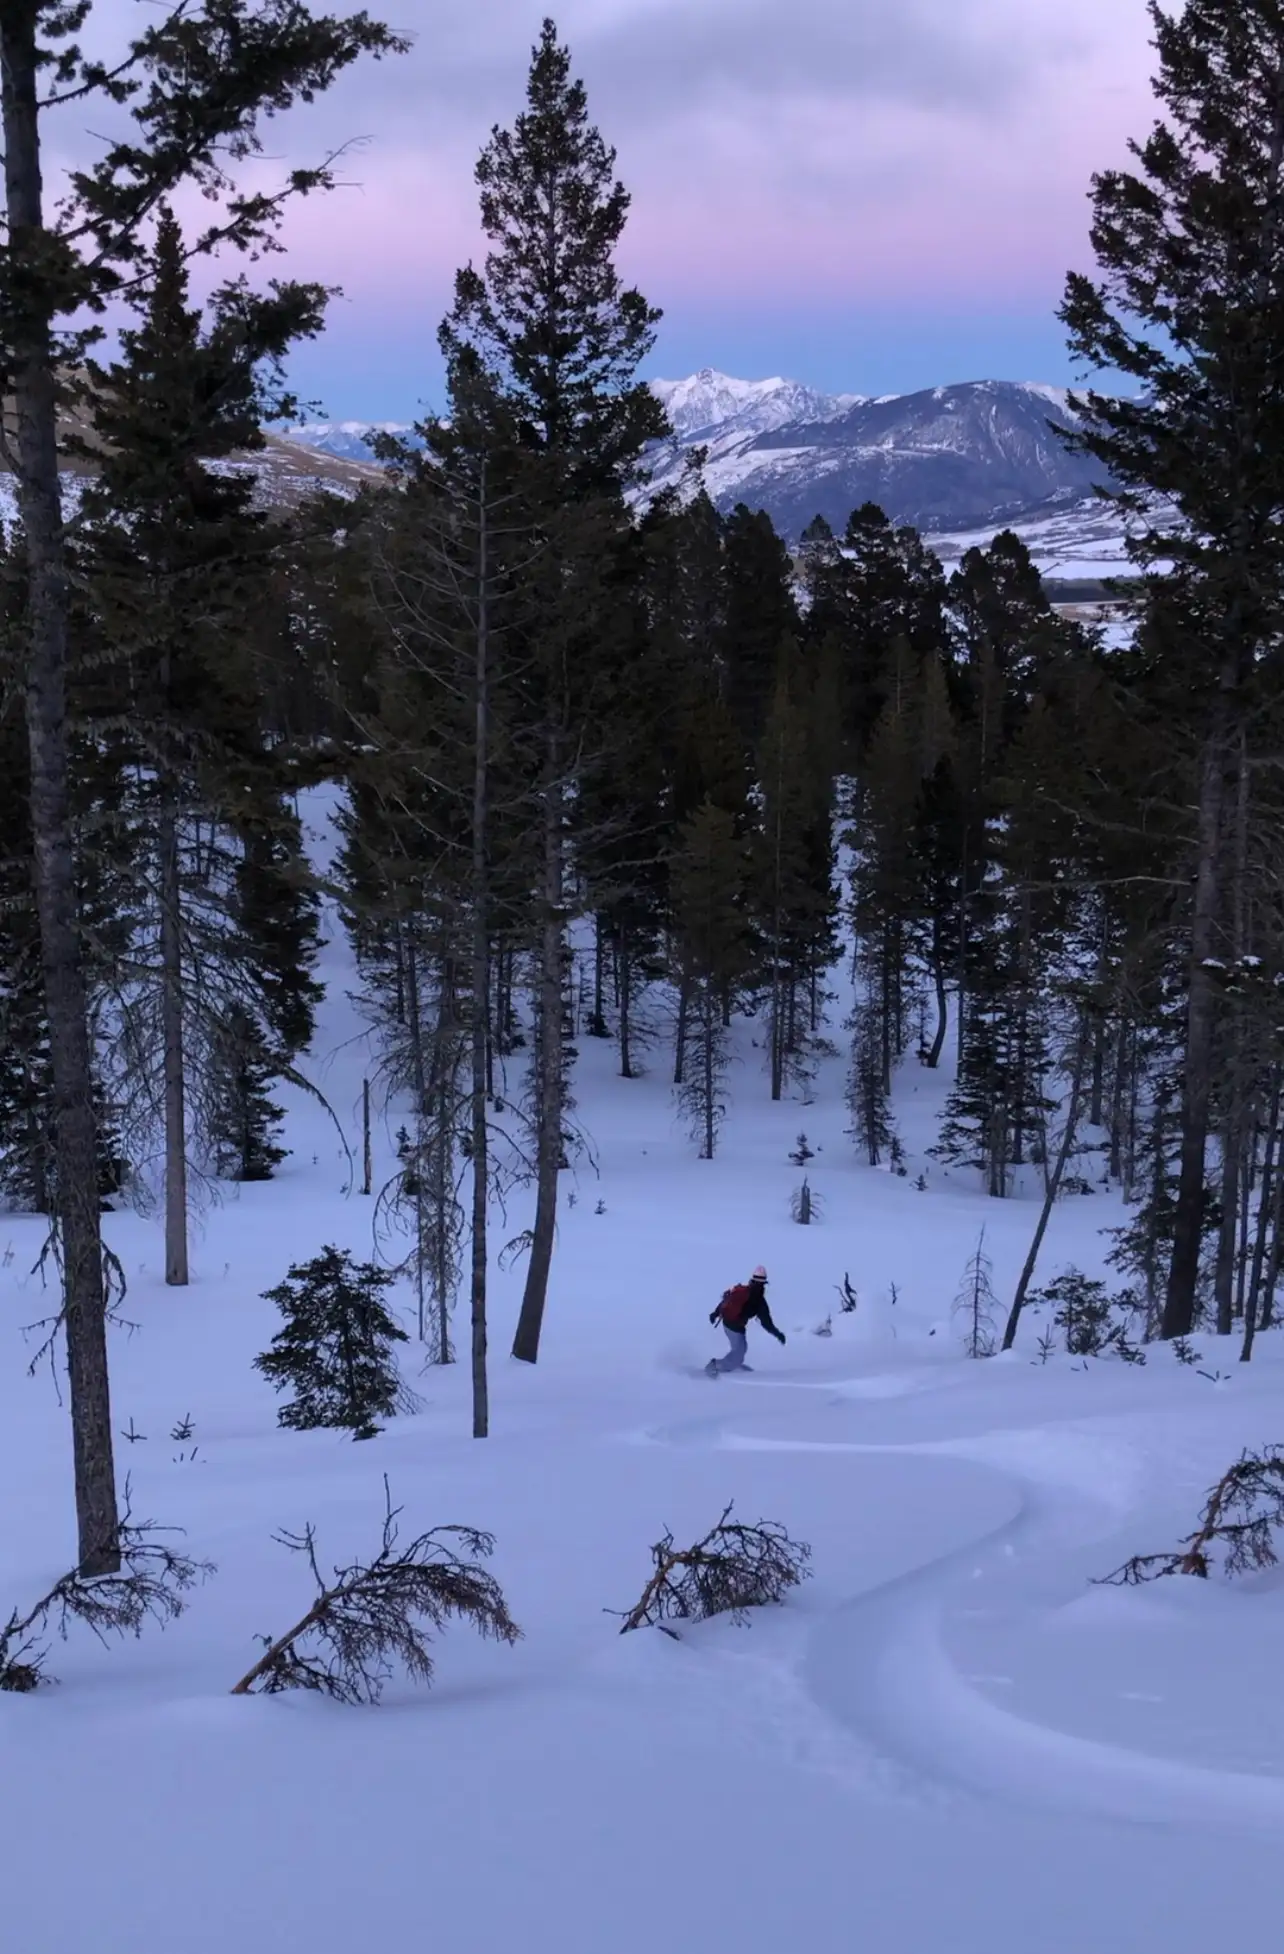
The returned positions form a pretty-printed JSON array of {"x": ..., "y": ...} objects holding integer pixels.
[{"x": 879, "y": 1663}]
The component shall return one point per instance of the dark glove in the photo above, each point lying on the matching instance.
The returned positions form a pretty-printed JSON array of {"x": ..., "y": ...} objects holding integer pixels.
[
  {"x": 780, "y": 1336},
  {"x": 714, "y": 1317}
]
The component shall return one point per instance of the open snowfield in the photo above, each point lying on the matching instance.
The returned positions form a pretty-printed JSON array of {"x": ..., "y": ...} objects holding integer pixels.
[{"x": 949, "y": 1742}]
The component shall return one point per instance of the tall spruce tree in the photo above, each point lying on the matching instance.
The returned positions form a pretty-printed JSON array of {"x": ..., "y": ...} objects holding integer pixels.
[
  {"x": 194, "y": 86},
  {"x": 760, "y": 616},
  {"x": 175, "y": 558},
  {"x": 1189, "y": 303},
  {"x": 562, "y": 339}
]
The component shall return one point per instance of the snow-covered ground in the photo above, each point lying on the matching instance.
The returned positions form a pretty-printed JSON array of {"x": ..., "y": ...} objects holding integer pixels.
[{"x": 949, "y": 1742}]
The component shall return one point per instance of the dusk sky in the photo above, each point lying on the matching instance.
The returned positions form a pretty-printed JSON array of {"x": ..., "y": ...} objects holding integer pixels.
[{"x": 866, "y": 195}]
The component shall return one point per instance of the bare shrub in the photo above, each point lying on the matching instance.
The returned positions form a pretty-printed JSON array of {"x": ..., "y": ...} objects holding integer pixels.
[
  {"x": 151, "y": 1584},
  {"x": 380, "y": 1616},
  {"x": 1241, "y": 1516},
  {"x": 733, "y": 1569}
]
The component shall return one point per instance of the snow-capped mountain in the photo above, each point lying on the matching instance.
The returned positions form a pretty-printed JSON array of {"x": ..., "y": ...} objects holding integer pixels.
[
  {"x": 957, "y": 461},
  {"x": 712, "y": 407},
  {"x": 946, "y": 458},
  {"x": 347, "y": 440}
]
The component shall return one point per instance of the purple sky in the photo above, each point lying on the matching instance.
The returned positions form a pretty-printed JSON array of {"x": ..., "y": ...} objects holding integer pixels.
[{"x": 870, "y": 195}]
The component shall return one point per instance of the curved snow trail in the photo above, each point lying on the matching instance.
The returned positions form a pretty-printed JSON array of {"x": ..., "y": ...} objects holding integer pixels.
[{"x": 880, "y": 1665}]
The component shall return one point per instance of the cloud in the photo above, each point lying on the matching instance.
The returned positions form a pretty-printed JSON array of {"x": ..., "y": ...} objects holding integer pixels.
[{"x": 649, "y": 63}]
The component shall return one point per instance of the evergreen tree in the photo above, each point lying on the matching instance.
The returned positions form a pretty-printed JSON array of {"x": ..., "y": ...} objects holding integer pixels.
[
  {"x": 760, "y": 617},
  {"x": 194, "y": 87},
  {"x": 244, "y": 1119},
  {"x": 175, "y": 557},
  {"x": 708, "y": 888},
  {"x": 335, "y": 1347},
  {"x": 1189, "y": 303},
  {"x": 561, "y": 339},
  {"x": 868, "y": 1094},
  {"x": 794, "y": 899}
]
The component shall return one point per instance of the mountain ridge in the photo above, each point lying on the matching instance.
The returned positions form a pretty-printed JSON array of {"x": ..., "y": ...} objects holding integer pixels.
[{"x": 962, "y": 457}]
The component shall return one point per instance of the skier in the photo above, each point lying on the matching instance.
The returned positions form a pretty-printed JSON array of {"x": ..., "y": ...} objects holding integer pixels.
[{"x": 737, "y": 1310}]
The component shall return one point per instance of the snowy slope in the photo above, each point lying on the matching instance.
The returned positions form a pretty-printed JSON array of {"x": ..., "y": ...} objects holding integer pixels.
[{"x": 950, "y": 1740}]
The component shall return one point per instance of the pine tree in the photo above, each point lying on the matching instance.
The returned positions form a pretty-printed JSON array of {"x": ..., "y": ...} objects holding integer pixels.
[
  {"x": 1188, "y": 303},
  {"x": 335, "y": 1347},
  {"x": 244, "y": 1119},
  {"x": 708, "y": 887},
  {"x": 794, "y": 900},
  {"x": 868, "y": 1094},
  {"x": 194, "y": 89},
  {"x": 561, "y": 339},
  {"x": 175, "y": 557},
  {"x": 760, "y": 616}
]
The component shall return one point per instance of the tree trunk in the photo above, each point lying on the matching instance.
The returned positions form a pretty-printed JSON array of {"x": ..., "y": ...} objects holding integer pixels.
[
  {"x": 32, "y": 382},
  {"x": 1197, "y": 1076},
  {"x": 548, "y": 1127},
  {"x": 597, "y": 1029},
  {"x": 481, "y": 996},
  {"x": 710, "y": 1081},
  {"x": 942, "y": 997},
  {"x": 1267, "y": 1202},
  {"x": 624, "y": 984},
  {"x": 1235, "y": 1126},
  {"x": 1082, "y": 1048},
  {"x": 171, "y": 951},
  {"x": 680, "y": 1046},
  {"x": 1117, "y": 1102},
  {"x": 419, "y": 1082}
]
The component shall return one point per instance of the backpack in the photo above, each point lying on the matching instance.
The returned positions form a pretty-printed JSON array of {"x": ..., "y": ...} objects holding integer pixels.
[{"x": 733, "y": 1305}]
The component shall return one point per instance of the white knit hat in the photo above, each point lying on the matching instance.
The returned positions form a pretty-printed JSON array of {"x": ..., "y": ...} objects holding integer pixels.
[{"x": 759, "y": 1274}]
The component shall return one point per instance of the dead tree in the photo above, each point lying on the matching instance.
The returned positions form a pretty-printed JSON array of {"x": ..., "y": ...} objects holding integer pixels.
[
  {"x": 733, "y": 1569},
  {"x": 150, "y": 1583},
  {"x": 1241, "y": 1515},
  {"x": 378, "y": 1616},
  {"x": 976, "y": 1303},
  {"x": 1074, "y": 1108}
]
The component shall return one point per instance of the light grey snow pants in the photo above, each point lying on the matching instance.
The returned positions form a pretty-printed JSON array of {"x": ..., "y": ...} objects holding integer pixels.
[{"x": 736, "y": 1355}]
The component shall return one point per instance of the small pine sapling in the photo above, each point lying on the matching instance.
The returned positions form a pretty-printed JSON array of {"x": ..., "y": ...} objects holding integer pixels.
[
  {"x": 1185, "y": 1352},
  {"x": 803, "y": 1151},
  {"x": 378, "y": 1617},
  {"x": 1241, "y": 1516},
  {"x": 804, "y": 1205},
  {"x": 976, "y": 1304},
  {"x": 151, "y": 1584},
  {"x": 335, "y": 1348},
  {"x": 1092, "y": 1320},
  {"x": 825, "y": 1329},
  {"x": 733, "y": 1569}
]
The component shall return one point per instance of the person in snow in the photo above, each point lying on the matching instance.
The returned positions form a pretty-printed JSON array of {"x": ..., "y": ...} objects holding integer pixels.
[{"x": 741, "y": 1306}]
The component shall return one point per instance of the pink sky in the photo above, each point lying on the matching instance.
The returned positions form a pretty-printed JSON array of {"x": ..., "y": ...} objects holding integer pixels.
[{"x": 849, "y": 181}]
